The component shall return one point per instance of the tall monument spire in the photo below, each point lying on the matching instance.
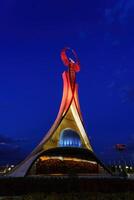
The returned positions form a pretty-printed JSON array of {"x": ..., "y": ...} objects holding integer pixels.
[{"x": 68, "y": 131}]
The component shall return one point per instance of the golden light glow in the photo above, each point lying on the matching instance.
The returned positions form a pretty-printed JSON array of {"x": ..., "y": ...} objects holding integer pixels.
[{"x": 43, "y": 158}]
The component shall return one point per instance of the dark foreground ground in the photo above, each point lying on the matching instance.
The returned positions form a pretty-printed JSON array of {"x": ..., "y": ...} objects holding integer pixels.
[
  {"x": 64, "y": 187},
  {"x": 72, "y": 196}
]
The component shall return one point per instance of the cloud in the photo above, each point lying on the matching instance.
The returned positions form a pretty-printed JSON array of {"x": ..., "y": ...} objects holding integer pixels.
[
  {"x": 8, "y": 149},
  {"x": 9, "y": 140},
  {"x": 5, "y": 139},
  {"x": 120, "y": 11},
  {"x": 111, "y": 84},
  {"x": 11, "y": 149},
  {"x": 127, "y": 94},
  {"x": 130, "y": 94}
]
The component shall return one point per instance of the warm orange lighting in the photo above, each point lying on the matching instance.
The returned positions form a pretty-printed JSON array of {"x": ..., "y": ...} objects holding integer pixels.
[{"x": 43, "y": 158}]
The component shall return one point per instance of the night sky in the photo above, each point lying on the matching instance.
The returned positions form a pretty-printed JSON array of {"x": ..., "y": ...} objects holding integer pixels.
[{"x": 32, "y": 34}]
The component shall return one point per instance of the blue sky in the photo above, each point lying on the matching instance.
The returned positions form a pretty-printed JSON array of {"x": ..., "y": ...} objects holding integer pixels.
[{"x": 32, "y": 34}]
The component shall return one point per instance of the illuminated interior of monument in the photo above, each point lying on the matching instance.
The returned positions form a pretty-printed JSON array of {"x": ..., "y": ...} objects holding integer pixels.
[
  {"x": 64, "y": 165},
  {"x": 69, "y": 138}
]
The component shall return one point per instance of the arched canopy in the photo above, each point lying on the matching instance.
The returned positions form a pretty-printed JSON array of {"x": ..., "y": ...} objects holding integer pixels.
[{"x": 80, "y": 153}]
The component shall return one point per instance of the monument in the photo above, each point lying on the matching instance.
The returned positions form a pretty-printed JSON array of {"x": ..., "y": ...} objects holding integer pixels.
[{"x": 66, "y": 145}]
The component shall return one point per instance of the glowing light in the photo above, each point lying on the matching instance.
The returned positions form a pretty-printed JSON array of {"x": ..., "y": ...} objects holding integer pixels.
[{"x": 9, "y": 168}]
